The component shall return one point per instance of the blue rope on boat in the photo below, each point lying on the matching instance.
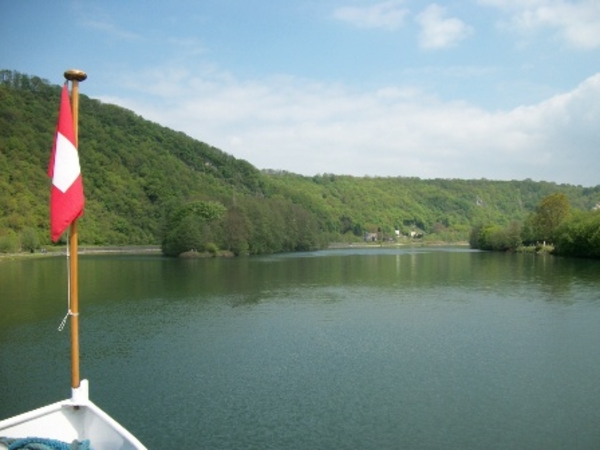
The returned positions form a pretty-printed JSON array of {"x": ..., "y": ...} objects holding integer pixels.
[{"x": 32, "y": 443}]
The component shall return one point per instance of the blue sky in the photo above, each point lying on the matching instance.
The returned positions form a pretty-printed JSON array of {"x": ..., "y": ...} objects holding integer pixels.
[{"x": 497, "y": 89}]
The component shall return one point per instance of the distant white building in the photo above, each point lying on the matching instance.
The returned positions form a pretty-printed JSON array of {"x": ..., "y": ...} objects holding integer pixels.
[{"x": 370, "y": 237}]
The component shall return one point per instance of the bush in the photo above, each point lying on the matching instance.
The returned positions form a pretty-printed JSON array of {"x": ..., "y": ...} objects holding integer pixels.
[
  {"x": 579, "y": 235},
  {"x": 9, "y": 243},
  {"x": 30, "y": 241},
  {"x": 212, "y": 248},
  {"x": 495, "y": 237}
]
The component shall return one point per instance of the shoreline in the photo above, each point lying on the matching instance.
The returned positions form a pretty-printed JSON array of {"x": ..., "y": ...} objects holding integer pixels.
[
  {"x": 397, "y": 244},
  {"x": 155, "y": 249},
  {"x": 84, "y": 250}
]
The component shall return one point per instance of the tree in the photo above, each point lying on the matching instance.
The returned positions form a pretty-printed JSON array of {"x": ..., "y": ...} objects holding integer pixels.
[
  {"x": 549, "y": 214},
  {"x": 30, "y": 240},
  {"x": 9, "y": 242},
  {"x": 236, "y": 231},
  {"x": 579, "y": 235},
  {"x": 475, "y": 235},
  {"x": 512, "y": 235},
  {"x": 191, "y": 227},
  {"x": 495, "y": 237}
]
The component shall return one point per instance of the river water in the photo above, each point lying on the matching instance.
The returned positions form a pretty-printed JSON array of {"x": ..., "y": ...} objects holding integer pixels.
[{"x": 412, "y": 348}]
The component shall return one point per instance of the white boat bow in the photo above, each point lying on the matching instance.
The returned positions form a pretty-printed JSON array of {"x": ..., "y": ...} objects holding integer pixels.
[{"x": 77, "y": 418}]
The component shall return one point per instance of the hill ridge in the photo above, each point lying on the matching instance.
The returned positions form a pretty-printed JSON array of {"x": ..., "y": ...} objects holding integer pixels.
[{"x": 137, "y": 174}]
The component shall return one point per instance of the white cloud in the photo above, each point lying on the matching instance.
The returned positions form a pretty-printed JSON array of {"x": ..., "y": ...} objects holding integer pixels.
[
  {"x": 577, "y": 23},
  {"x": 308, "y": 128},
  {"x": 388, "y": 15},
  {"x": 439, "y": 31},
  {"x": 188, "y": 46},
  {"x": 111, "y": 29}
]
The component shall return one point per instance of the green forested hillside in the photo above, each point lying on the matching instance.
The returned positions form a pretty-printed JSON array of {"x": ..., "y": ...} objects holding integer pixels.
[
  {"x": 132, "y": 168},
  {"x": 446, "y": 208},
  {"x": 146, "y": 184}
]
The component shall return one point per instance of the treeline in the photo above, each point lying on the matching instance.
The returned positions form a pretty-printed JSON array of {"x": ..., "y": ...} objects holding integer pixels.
[
  {"x": 147, "y": 184},
  {"x": 441, "y": 209},
  {"x": 251, "y": 225},
  {"x": 134, "y": 170},
  {"x": 554, "y": 225}
]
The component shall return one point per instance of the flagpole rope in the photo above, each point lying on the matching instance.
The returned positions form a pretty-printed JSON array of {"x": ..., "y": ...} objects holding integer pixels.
[{"x": 69, "y": 312}]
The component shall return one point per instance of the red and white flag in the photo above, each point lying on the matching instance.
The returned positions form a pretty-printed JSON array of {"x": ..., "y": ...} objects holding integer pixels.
[{"x": 66, "y": 196}]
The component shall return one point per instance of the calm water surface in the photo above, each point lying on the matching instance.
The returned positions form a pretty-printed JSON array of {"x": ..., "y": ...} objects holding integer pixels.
[{"x": 343, "y": 349}]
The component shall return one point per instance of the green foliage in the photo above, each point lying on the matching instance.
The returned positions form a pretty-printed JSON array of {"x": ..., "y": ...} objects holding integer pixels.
[
  {"x": 9, "y": 242},
  {"x": 513, "y": 236},
  {"x": 549, "y": 214},
  {"x": 190, "y": 227},
  {"x": 30, "y": 240},
  {"x": 496, "y": 237},
  {"x": 146, "y": 184},
  {"x": 270, "y": 225},
  {"x": 236, "y": 229},
  {"x": 475, "y": 235},
  {"x": 442, "y": 209},
  {"x": 573, "y": 233},
  {"x": 579, "y": 235},
  {"x": 132, "y": 168},
  {"x": 212, "y": 248}
]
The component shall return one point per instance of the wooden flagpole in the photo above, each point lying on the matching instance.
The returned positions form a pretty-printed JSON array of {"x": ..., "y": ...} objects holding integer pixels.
[{"x": 74, "y": 76}]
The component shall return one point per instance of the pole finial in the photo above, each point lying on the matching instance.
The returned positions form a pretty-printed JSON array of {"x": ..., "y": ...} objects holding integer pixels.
[{"x": 75, "y": 75}]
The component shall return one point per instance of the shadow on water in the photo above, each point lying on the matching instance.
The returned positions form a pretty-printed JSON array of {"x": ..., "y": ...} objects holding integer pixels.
[{"x": 34, "y": 290}]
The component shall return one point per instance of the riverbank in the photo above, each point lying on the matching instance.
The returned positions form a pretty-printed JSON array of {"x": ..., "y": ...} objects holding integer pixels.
[
  {"x": 398, "y": 244},
  {"x": 155, "y": 249},
  {"x": 83, "y": 250}
]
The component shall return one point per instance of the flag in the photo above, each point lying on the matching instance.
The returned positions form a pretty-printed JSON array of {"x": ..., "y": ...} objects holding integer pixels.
[{"x": 66, "y": 196}]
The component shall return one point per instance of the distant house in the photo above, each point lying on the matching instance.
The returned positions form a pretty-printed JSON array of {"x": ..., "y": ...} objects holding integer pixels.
[{"x": 370, "y": 237}]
